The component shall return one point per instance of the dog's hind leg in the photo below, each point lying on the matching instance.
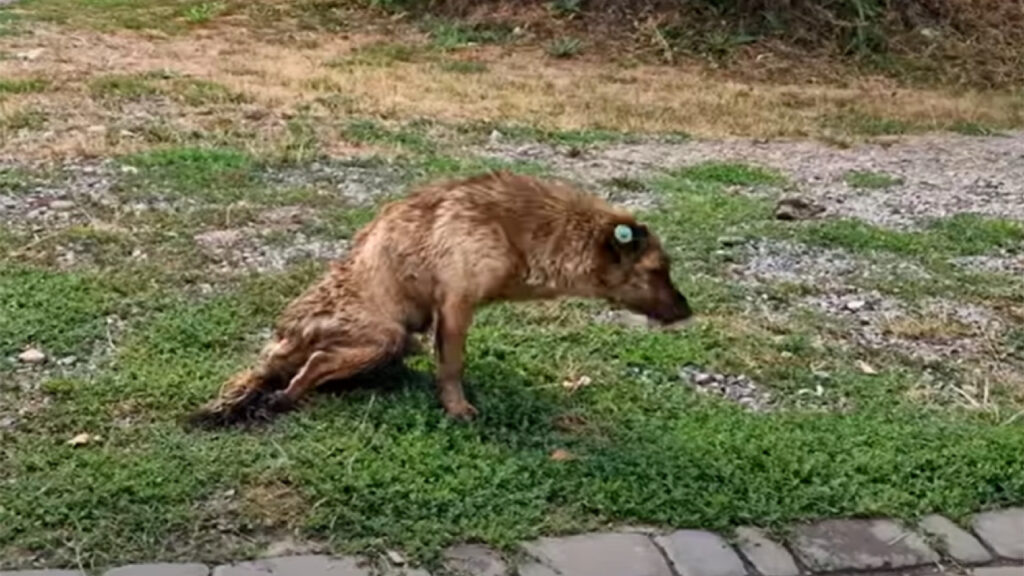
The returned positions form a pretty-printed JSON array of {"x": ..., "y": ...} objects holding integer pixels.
[{"x": 340, "y": 362}]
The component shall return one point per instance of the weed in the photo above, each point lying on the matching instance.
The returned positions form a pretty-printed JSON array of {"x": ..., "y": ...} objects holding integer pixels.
[
  {"x": 123, "y": 87},
  {"x": 868, "y": 180},
  {"x": 203, "y": 12},
  {"x": 448, "y": 35},
  {"x": 565, "y": 47},
  {"x": 380, "y": 54},
  {"x": 28, "y": 119},
  {"x": 566, "y": 8},
  {"x": 207, "y": 172},
  {"x": 368, "y": 131},
  {"x": 869, "y": 125},
  {"x": 973, "y": 129}
]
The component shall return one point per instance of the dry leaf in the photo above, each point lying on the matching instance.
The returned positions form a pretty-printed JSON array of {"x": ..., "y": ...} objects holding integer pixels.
[
  {"x": 866, "y": 368},
  {"x": 82, "y": 439},
  {"x": 561, "y": 455},
  {"x": 573, "y": 385}
]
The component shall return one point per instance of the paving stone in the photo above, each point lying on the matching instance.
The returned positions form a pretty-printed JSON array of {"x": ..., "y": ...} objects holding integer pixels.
[
  {"x": 159, "y": 570},
  {"x": 474, "y": 560},
  {"x": 1002, "y": 530},
  {"x": 42, "y": 573},
  {"x": 535, "y": 569},
  {"x": 859, "y": 545},
  {"x": 295, "y": 566},
  {"x": 599, "y": 554},
  {"x": 959, "y": 544},
  {"x": 769, "y": 557},
  {"x": 999, "y": 571},
  {"x": 699, "y": 553}
]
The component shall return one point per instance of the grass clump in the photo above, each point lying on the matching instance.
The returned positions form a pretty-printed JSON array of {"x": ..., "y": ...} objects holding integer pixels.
[
  {"x": 23, "y": 85},
  {"x": 729, "y": 174},
  {"x": 869, "y": 180}
]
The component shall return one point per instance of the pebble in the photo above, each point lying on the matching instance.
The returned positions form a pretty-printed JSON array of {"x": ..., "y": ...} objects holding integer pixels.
[
  {"x": 795, "y": 208},
  {"x": 855, "y": 305},
  {"x": 32, "y": 356},
  {"x": 735, "y": 387},
  {"x": 61, "y": 205}
]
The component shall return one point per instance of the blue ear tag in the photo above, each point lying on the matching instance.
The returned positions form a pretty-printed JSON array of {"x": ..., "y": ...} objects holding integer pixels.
[{"x": 624, "y": 234}]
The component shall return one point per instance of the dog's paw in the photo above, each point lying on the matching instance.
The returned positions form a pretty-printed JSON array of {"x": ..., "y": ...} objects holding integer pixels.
[
  {"x": 462, "y": 411},
  {"x": 278, "y": 401}
]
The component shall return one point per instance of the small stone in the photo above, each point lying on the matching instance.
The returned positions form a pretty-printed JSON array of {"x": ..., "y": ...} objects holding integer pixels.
[
  {"x": 61, "y": 205},
  {"x": 67, "y": 360},
  {"x": 960, "y": 545},
  {"x": 702, "y": 378},
  {"x": 30, "y": 55},
  {"x": 8, "y": 422},
  {"x": 82, "y": 439},
  {"x": 769, "y": 557},
  {"x": 866, "y": 368},
  {"x": 495, "y": 137},
  {"x": 96, "y": 129},
  {"x": 129, "y": 169},
  {"x": 395, "y": 557},
  {"x": 1002, "y": 530},
  {"x": 561, "y": 455},
  {"x": 598, "y": 554},
  {"x": 855, "y": 305},
  {"x": 699, "y": 553},
  {"x": 795, "y": 208},
  {"x": 474, "y": 560},
  {"x": 32, "y": 356},
  {"x": 833, "y": 545},
  {"x": 159, "y": 570}
]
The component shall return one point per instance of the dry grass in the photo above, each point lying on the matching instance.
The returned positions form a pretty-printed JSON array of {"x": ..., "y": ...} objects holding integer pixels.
[{"x": 522, "y": 85}]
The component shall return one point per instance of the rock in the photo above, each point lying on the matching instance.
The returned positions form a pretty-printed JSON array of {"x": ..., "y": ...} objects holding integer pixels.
[
  {"x": 32, "y": 356},
  {"x": 769, "y": 557},
  {"x": 82, "y": 439},
  {"x": 561, "y": 455},
  {"x": 598, "y": 554},
  {"x": 959, "y": 544},
  {"x": 395, "y": 557},
  {"x": 128, "y": 169},
  {"x": 796, "y": 208},
  {"x": 731, "y": 241},
  {"x": 864, "y": 545},
  {"x": 8, "y": 422},
  {"x": 495, "y": 137},
  {"x": 295, "y": 566},
  {"x": 159, "y": 570},
  {"x": 474, "y": 560},
  {"x": 700, "y": 553},
  {"x": 67, "y": 361},
  {"x": 1001, "y": 530}
]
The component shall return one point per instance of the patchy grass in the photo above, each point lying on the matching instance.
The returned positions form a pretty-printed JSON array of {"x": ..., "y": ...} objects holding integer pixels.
[
  {"x": 137, "y": 87},
  {"x": 222, "y": 172},
  {"x": 462, "y": 66},
  {"x": 959, "y": 235},
  {"x": 23, "y": 85},
  {"x": 729, "y": 174},
  {"x": 451, "y": 34},
  {"x": 868, "y": 180},
  {"x": 566, "y": 47}
]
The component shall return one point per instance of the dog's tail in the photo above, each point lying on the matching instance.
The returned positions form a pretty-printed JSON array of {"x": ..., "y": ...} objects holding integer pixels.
[{"x": 242, "y": 399}]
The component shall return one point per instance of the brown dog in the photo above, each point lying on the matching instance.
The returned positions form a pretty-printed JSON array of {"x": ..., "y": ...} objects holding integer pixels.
[{"x": 432, "y": 259}]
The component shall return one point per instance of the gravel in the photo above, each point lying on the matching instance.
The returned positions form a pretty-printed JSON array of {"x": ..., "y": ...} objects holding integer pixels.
[
  {"x": 735, "y": 387},
  {"x": 941, "y": 174}
]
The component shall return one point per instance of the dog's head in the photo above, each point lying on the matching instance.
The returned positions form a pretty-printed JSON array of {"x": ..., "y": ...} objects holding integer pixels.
[{"x": 635, "y": 272}]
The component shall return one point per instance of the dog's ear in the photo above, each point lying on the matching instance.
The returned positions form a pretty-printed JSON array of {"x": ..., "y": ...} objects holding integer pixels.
[{"x": 625, "y": 241}]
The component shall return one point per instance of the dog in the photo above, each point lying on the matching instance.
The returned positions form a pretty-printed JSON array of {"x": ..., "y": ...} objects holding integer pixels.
[{"x": 428, "y": 261}]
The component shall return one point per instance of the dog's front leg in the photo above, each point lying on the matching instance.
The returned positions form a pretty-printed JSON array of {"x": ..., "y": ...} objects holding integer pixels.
[{"x": 453, "y": 323}]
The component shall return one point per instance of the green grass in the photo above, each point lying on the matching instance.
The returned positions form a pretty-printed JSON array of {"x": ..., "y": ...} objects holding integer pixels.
[
  {"x": 960, "y": 235},
  {"x": 380, "y": 54},
  {"x": 379, "y": 467},
  {"x": 868, "y": 180},
  {"x": 730, "y": 174},
  {"x": 23, "y": 85},
  {"x": 166, "y": 84},
  {"x": 565, "y": 47},
  {"x": 210, "y": 173},
  {"x": 409, "y": 138},
  {"x": 450, "y": 34},
  {"x": 462, "y": 66}
]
